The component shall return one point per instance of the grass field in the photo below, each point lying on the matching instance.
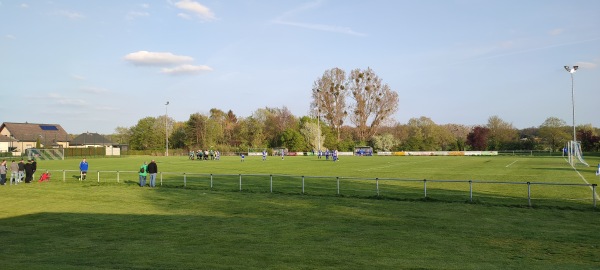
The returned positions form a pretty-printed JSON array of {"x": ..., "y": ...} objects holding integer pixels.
[{"x": 110, "y": 225}]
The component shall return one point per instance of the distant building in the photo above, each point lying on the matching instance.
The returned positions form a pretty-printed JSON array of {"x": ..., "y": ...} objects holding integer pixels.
[
  {"x": 28, "y": 135},
  {"x": 89, "y": 139},
  {"x": 6, "y": 144}
]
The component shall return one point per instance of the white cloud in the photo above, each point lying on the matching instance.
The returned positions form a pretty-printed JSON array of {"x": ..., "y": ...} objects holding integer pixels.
[
  {"x": 78, "y": 77},
  {"x": 184, "y": 16},
  {"x": 10, "y": 37},
  {"x": 556, "y": 32},
  {"x": 135, "y": 14},
  {"x": 196, "y": 8},
  {"x": 186, "y": 69},
  {"x": 94, "y": 90},
  {"x": 60, "y": 100},
  {"x": 24, "y": 5},
  {"x": 586, "y": 65},
  {"x": 145, "y": 5},
  {"x": 70, "y": 14},
  {"x": 156, "y": 58}
]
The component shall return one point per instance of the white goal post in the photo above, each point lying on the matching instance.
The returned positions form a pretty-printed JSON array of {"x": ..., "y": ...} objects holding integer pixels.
[{"x": 574, "y": 153}]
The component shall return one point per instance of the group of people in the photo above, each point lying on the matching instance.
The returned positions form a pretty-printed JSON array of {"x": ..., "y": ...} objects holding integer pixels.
[
  {"x": 145, "y": 170},
  {"x": 327, "y": 154},
  {"x": 148, "y": 169},
  {"x": 205, "y": 155},
  {"x": 20, "y": 172}
]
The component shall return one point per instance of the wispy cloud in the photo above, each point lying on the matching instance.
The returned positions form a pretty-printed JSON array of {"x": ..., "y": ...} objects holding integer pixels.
[
  {"x": 78, "y": 77},
  {"x": 586, "y": 65},
  {"x": 70, "y": 14},
  {"x": 156, "y": 58},
  {"x": 284, "y": 19},
  {"x": 136, "y": 14},
  {"x": 322, "y": 27},
  {"x": 10, "y": 37},
  {"x": 61, "y": 100},
  {"x": 556, "y": 32},
  {"x": 201, "y": 11},
  {"x": 94, "y": 90},
  {"x": 24, "y": 5},
  {"x": 186, "y": 69}
]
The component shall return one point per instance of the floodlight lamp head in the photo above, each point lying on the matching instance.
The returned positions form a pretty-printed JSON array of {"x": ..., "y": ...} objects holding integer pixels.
[
  {"x": 571, "y": 70},
  {"x": 167, "y": 103}
]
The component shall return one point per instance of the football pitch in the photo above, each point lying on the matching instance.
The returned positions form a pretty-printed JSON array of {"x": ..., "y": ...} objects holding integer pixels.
[{"x": 111, "y": 223}]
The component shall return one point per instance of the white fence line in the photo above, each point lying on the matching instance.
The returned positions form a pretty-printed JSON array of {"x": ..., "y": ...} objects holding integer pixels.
[{"x": 375, "y": 181}]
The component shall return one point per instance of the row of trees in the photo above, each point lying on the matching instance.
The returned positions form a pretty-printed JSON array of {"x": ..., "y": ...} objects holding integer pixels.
[
  {"x": 360, "y": 97},
  {"x": 277, "y": 127}
]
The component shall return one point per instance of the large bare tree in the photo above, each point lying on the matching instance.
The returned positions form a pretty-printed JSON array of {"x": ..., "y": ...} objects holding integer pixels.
[
  {"x": 329, "y": 98},
  {"x": 374, "y": 102}
]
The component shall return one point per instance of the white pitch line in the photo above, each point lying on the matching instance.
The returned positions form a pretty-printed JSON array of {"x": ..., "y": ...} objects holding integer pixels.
[
  {"x": 584, "y": 180},
  {"x": 511, "y": 163}
]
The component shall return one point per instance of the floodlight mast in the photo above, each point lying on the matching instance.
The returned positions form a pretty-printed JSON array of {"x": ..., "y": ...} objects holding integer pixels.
[{"x": 572, "y": 71}]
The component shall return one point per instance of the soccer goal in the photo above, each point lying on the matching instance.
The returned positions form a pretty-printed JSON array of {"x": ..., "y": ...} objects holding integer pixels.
[
  {"x": 574, "y": 153},
  {"x": 46, "y": 154},
  {"x": 256, "y": 151}
]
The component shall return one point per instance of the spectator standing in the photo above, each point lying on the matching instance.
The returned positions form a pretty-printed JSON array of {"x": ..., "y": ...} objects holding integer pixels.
[
  {"x": 152, "y": 170},
  {"x": 21, "y": 170},
  {"x": 28, "y": 171},
  {"x": 34, "y": 166},
  {"x": 3, "y": 172},
  {"x": 83, "y": 168},
  {"x": 143, "y": 173},
  {"x": 14, "y": 172}
]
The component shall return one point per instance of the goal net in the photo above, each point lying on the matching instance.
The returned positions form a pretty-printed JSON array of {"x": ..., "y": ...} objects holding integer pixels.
[
  {"x": 574, "y": 153},
  {"x": 45, "y": 154}
]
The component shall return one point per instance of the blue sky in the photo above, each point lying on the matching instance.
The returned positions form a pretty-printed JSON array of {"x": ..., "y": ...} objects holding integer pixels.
[{"x": 96, "y": 65}]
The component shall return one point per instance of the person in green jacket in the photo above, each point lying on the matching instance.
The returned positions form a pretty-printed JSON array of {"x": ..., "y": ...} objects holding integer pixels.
[{"x": 143, "y": 173}]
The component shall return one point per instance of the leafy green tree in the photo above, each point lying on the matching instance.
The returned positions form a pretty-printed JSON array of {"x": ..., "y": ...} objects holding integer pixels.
[
  {"x": 554, "y": 132},
  {"x": 385, "y": 142},
  {"x": 501, "y": 132},
  {"x": 144, "y": 137},
  {"x": 293, "y": 140}
]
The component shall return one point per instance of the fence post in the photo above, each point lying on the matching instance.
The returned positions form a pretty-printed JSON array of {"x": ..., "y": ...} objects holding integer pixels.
[
  {"x": 240, "y": 182},
  {"x": 98, "y": 176},
  {"x": 425, "y": 186},
  {"x": 529, "y": 193},
  {"x": 271, "y": 183},
  {"x": 594, "y": 194},
  {"x": 471, "y": 190},
  {"x": 338, "y": 185},
  {"x": 160, "y": 178},
  {"x": 303, "y": 184},
  {"x": 377, "y": 184},
  {"x": 64, "y": 176},
  {"x": 184, "y": 180},
  {"x": 211, "y": 181},
  {"x": 118, "y": 177}
]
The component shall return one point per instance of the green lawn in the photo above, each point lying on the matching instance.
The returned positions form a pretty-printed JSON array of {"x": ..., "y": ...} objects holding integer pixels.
[{"x": 110, "y": 225}]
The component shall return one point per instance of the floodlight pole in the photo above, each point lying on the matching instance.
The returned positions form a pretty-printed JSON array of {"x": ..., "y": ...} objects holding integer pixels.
[
  {"x": 166, "y": 129},
  {"x": 572, "y": 71}
]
